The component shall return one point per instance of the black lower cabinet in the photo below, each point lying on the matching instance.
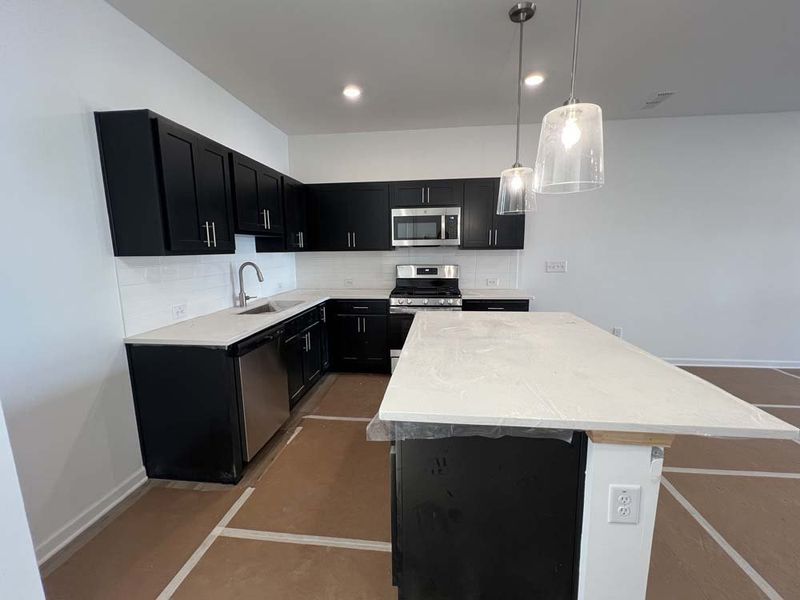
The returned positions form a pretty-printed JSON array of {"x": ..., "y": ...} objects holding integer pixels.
[
  {"x": 303, "y": 352},
  {"x": 187, "y": 411},
  {"x": 359, "y": 333},
  {"x": 295, "y": 350},
  {"x": 475, "y": 517},
  {"x": 514, "y": 305}
]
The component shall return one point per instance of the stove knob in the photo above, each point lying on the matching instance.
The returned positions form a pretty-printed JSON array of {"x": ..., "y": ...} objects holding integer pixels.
[
  {"x": 450, "y": 301},
  {"x": 441, "y": 301},
  {"x": 425, "y": 301}
]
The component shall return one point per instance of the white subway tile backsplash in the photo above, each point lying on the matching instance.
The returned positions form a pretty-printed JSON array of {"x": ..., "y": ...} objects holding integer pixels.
[
  {"x": 150, "y": 285},
  {"x": 377, "y": 269}
]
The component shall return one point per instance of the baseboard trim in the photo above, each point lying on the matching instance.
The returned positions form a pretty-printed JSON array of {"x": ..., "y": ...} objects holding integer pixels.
[
  {"x": 49, "y": 547},
  {"x": 727, "y": 362}
]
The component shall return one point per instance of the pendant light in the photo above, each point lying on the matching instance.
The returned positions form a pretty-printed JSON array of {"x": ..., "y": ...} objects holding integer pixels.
[
  {"x": 570, "y": 155},
  {"x": 516, "y": 183}
]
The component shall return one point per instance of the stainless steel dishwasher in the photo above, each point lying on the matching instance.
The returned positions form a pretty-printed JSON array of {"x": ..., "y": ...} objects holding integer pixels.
[{"x": 263, "y": 388}]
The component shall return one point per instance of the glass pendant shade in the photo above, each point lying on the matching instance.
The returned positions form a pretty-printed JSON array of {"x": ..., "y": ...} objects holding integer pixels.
[
  {"x": 570, "y": 156},
  {"x": 516, "y": 191}
]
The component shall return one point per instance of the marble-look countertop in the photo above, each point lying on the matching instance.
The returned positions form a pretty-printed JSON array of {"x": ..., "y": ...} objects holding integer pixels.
[
  {"x": 228, "y": 326},
  {"x": 555, "y": 370}
]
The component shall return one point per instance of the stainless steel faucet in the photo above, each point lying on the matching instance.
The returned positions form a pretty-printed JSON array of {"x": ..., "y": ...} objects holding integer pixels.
[{"x": 243, "y": 297}]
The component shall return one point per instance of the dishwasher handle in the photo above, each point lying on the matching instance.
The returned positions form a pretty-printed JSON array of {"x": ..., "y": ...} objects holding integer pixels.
[{"x": 257, "y": 341}]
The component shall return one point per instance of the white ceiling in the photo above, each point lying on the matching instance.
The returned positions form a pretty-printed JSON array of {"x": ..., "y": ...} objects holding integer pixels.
[{"x": 430, "y": 63}]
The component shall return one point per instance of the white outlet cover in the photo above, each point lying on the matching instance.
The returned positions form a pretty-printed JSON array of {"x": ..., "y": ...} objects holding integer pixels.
[
  {"x": 555, "y": 266},
  {"x": 348, "y": 283},
  {"x": 178, "y": 312},
  {"x": 493, "y": 282},
  {"x": 624, "y": 502}
]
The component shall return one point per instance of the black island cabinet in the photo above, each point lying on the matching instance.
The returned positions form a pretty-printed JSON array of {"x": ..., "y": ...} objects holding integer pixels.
[{"x": 168, "y": 189}]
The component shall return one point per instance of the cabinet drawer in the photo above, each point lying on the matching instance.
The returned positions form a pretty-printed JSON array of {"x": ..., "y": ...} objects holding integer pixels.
[
  {"x": 496, "y": 305},
  {"x": 359, "y": 307},
  {"x": 301, "y": 322}
]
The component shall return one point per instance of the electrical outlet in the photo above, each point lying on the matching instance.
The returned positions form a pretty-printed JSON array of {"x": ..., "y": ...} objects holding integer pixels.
[
  {"x": 492, "y": 282},
  {"x": 623, "y": 503},
  {"x": 555, "y": 266},
  {"x": 348, "y": 283},
  {"x": 617, "y": 331},
  {"x": 178, "y": 312}
]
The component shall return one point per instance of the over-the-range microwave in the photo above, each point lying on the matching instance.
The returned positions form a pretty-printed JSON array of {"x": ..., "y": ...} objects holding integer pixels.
[{"x": 431, "y": 226}]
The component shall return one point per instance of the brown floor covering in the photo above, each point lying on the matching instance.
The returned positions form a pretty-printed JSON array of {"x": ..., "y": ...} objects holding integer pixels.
[
  {"x": 790, "y": 415},
  {"x": 257, "y": 570},
  {"x": 759, "y": 517},
  {"x": 687, "y": 564},
  {"x": 757, "y": 386},
  {"x": 138, "y": 553},
  {"x": 353, "y": 395},
  {"x": 328, "y": 481},
  {"x": 735, "y": 454},
  {"x": 792, "y": 371}
]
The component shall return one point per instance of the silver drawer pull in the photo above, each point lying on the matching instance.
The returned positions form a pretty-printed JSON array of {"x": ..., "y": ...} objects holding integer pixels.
[
  {"x": 361, "y": 308},
  {"x": 495, "y": 308},
  {"x": 214, "y": 231}
]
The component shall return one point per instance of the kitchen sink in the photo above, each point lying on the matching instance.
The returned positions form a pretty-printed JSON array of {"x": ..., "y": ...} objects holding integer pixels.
[{"x": 271, "y": 307}]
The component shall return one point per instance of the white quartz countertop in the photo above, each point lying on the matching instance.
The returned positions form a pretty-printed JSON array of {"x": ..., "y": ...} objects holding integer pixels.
[
  {"x": 555, "y": 370},
  {"x": 228, "y": 326}
]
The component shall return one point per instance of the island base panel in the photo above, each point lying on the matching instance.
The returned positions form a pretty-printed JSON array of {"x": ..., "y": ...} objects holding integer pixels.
[
  {"x": 476, "y": 517},
  {"x": 624, "y": 576}
]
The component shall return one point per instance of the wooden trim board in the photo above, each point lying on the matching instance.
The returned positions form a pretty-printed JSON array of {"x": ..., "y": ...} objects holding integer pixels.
[{"x": 631, "y": 438}]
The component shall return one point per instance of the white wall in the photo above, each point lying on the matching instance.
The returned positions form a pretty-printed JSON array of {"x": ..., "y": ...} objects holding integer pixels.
[
  {"x": 691, "y": 247},
  {"x": 63, "y": 375},
  {"x": 19, "y": 575},
  {"x": 370, "y": 270}
]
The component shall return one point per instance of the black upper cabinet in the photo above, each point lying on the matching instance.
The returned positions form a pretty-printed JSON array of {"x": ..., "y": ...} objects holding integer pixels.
[
  {"x": 406, "y": 194},
  {"x": 295, "y": 206},
  {"x": 350, "y": 216},
  {"x": 258, "y": 197},
  {"x": 481, "y": 226},
  {"x": 168, "y": 189}
]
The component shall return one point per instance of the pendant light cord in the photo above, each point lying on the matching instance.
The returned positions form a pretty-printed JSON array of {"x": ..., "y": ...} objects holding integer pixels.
[
  {"x": 572, "y": 99},
  {"x": 519, "y": 89}
]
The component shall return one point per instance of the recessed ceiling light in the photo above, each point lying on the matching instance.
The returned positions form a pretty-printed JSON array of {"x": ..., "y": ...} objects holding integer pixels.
[
  {"x": 534, "y": 79},
  {"x": 352, "y": 92}
]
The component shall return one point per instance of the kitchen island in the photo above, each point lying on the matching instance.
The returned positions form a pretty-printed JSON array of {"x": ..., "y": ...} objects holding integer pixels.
[{"x": 465, "y": 404}]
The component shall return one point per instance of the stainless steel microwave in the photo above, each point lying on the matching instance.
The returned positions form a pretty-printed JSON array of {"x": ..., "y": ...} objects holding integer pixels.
[{"x": 432, "y": 226}]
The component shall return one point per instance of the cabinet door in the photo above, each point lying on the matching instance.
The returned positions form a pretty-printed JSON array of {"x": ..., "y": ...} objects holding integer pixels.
[
  {"x": 245, "y": 193},
  {"x": 324, "y": 337},
  {"x": 330, "y": 218},
  {"x": 214, "y": 193},
  {"x": 185, "y": 226},
  {"x": 346, "y": 342},
  {"x": 294, "y": 349},
  {"x": 444, "y": 193},
  {"x": 407, "y": 194},
  {"x": 375, "y": 339},
  {"x": 295, "y": 215},
  {"x": 312, "y": 360},
  {"x": 270, "y": 200},
  {"x": 368, "y": 210},
  {"x": 477, "y": 215},
  {"x": 509, "y": 230}
]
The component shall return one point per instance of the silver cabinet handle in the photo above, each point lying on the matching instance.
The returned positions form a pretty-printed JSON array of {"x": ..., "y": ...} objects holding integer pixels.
[
  {"x": 348, "y": 239},
  {"x": 495, "y": 308},
  {"x": 423, "y": 194},
  {"x": 361, "y": 308},
  {"x": 269, "y": 222},
  {"x": 264, "y": 217},
  {"x": 358, "y": 324},
  {"x": 363, "y": 325},
  {"x": 490, "y": 237},
  {"x": 354, "y": 239},
  {"x": 323, "y": 315},
  {"x": 308, "y": 337},
  {"x": 495, "y": 237},
  {"x": 429, "y": 195},
  {"x": 208, "y": 235},
  {"x": 214, "y": 231}
]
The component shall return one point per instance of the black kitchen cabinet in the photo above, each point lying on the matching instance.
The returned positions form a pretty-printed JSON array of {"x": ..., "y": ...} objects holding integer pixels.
[
  {"x": 258, "y": 197},
  {"x": 303, "y": 352},
  {"x": 168, "y": 189},
  {"x": 508, "y": 305},
  {"x": 477, "y": 517},
  {"x": 437, "y": 192},
  {"x": 295, "y": 349},
  {"x": 295, "y": 206},
  {"x": 324, "y": 337},
  {"x": 351, "y": 216},
  {"x": 360, "y": 335},
  {"x": 481, "y": 226}
]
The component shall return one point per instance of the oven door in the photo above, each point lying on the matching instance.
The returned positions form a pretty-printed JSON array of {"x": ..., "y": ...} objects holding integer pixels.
[{"x": 438, "y": 226}]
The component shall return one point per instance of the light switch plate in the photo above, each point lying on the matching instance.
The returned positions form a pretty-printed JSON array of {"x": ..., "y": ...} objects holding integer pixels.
[
  {"x": 623, "y": 503},
  {"x": 555, "y": 266}
]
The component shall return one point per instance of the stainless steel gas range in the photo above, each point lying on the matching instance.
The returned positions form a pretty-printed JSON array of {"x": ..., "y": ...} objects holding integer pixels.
[{"x": 419, "y": 287}]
